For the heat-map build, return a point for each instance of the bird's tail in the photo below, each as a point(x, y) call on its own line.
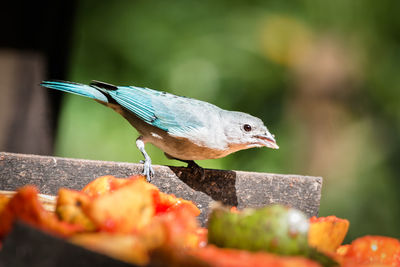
point(76, 88)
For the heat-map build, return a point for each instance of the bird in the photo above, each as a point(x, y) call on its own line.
point(184, 128)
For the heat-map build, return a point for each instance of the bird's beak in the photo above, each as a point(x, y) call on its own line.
point(267, 140)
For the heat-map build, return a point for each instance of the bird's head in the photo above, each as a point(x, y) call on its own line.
point(245, 131)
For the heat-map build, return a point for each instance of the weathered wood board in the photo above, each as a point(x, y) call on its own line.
point(234, 188)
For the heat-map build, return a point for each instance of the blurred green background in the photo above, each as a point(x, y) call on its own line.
point(322, 75)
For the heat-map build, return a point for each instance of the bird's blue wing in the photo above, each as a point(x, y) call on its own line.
point(179, 116)
point(156, 108)
point(76, 88)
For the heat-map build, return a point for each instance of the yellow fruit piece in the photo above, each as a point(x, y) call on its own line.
point(103, 185)
point(125, 210)
point(69, 208)
point(327, 233)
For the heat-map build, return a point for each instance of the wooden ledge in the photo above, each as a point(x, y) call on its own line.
point(234, 188)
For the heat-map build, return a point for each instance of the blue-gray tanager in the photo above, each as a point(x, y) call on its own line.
point(184, 128)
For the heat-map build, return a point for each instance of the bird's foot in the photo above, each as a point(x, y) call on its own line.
point(147, 169)
point(196, 170)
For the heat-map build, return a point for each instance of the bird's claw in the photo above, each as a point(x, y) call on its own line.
point(147, 170)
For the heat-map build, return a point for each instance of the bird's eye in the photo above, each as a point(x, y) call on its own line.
point(247, 127)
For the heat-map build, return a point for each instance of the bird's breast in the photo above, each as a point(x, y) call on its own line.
point(196, 145)
point(186, 149)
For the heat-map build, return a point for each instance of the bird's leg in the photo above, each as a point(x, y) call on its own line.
point(191, 165)
point(195, 168)
point(147, 169)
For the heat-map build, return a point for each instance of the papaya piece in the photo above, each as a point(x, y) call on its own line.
point(124, 210)
point(327, 233)
point(25, 206)
point(168, 202)
point(163, 202)
point(181, 226)
point(170, 235)
point(69, 208)
point(173, 230)
point(373, 250)
point(103, 185)
point(178, 228)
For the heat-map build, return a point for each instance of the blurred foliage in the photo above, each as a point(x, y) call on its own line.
point(322, 75)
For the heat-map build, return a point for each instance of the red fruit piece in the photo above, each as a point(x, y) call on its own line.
point(375, 249)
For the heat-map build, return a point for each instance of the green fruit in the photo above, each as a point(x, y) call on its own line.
point(276, 229)
point(273, 228)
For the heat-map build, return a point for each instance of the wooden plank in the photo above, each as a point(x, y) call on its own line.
point(234, 188)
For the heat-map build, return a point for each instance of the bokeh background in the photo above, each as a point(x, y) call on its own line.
point(323, 75)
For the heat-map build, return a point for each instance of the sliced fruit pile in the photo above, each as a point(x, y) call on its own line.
point(131, 220)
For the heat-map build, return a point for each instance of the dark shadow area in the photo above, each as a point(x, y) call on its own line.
point(220, 185)
point(28, 246)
